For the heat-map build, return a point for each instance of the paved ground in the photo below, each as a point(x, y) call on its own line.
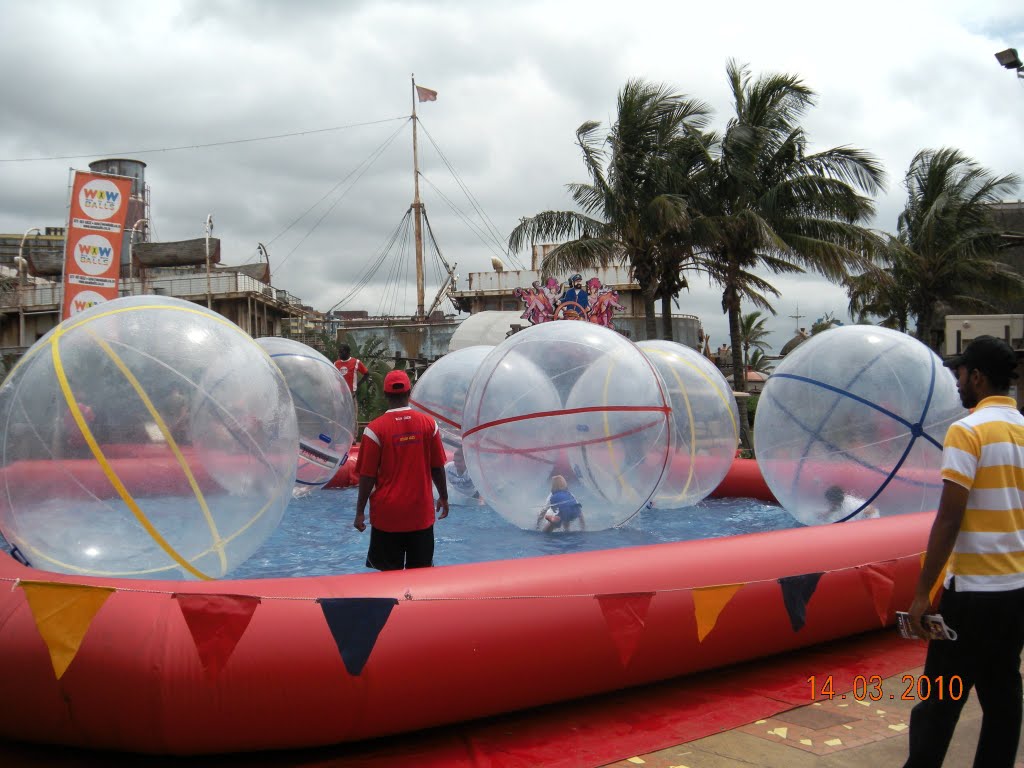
point(841, 733)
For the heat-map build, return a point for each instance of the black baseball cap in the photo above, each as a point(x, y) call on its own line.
point(991, 356)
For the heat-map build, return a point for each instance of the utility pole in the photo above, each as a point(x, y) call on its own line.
point(417, 210)
point(131, 243)
point(22, 271)
point(797, 317)
point(209, 288)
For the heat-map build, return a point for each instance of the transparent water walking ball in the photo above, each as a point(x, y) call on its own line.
point(441, 391)
point(146, 437)
point(704, 419)
point(851, 424)
point(324, 410)
point(567, 401)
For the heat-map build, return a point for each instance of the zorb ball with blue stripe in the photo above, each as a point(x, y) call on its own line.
point(705, 423)
point(567, 401)
point(854, 418)
point(324, 410)
point(147, 437)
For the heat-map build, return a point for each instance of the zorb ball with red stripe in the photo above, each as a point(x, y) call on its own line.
point(705, 423)
point(567, 401)
point(441, 391)
point(852, 421)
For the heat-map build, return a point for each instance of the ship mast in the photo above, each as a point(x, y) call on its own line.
point(417, 210)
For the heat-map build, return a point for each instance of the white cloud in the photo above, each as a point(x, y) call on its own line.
point(514, 82)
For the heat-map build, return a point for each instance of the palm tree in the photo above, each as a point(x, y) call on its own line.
point(630, 205)
point(370, 397)
point(775, 206)
point(753, 334)
point(947, 239)
point(882, 291)
point(759, 362)
point(828, 320)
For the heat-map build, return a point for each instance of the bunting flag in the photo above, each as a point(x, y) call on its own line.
point(217, 623)
point(880, 580)
point(796, 594)
point(63, 613)
point(708, 602)
point(625, 615)
point(425, 94)
point(355, 623)
point(938, 582)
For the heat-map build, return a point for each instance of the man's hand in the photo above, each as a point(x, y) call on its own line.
point(917, 609)
point(441, 507)
point(360, 522)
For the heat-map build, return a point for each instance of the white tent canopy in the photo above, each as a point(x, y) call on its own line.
point(489, 327)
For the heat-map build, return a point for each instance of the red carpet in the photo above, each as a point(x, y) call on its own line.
point(587, 732)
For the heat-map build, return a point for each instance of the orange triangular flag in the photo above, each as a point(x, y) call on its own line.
point(938, 582)
point(625, 615)
point(217, 623)
point(708, 602)
point(880, 579)
point(63, 613)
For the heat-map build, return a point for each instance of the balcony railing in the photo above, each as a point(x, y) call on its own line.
point(33, 296)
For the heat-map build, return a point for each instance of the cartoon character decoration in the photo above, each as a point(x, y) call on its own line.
point(569, 301)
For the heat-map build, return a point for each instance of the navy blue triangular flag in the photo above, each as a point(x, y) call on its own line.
point(355, 623)
point(796, 594)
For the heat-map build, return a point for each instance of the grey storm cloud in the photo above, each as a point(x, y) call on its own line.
point(514, 82)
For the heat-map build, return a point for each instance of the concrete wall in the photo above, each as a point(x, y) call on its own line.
point(962, 329)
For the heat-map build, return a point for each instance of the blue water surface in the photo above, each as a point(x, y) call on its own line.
point(316, 537)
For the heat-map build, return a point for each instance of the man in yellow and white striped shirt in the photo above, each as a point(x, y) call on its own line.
point(979, 528)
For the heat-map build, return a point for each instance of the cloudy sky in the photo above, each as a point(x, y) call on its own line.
point(120, 78)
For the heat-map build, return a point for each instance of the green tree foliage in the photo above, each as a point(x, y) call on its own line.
point(370, 396)
point(759, 362)
point(753, 334)
point(944, 253)
point(823, 323)
point(632, 204)
point(774, 206)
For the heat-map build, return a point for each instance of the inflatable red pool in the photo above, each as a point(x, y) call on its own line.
point(327, 660)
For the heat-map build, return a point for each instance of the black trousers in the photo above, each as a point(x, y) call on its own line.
point(395, 551)
point(986, 656)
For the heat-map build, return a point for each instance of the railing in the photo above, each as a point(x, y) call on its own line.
point(187, 287)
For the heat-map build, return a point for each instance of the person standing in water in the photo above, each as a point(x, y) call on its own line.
point(401, 453)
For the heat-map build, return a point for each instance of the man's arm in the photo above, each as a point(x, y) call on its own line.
point(441, 483)
point(952, 505)
point(366, 484)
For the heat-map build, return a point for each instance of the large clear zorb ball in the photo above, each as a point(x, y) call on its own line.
point(324, 410)
point(705, 423)
point(855, 418)
point(441, 391)
point(567, 401)
point(131, 438)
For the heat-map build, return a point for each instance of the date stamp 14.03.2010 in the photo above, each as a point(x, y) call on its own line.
point(873, 688)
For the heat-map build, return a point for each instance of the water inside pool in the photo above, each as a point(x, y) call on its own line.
point(316, 537)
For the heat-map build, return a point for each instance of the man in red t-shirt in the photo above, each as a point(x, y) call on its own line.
point(400, 454)
point(349, 367)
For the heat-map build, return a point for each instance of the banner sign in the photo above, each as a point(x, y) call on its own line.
point(92, 256)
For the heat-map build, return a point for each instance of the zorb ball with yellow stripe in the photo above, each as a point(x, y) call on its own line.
point(323, 406)
point(705, 423)
point(147, 437)
point(567, 401)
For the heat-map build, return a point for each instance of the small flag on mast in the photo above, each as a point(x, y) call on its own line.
point(425, 94)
